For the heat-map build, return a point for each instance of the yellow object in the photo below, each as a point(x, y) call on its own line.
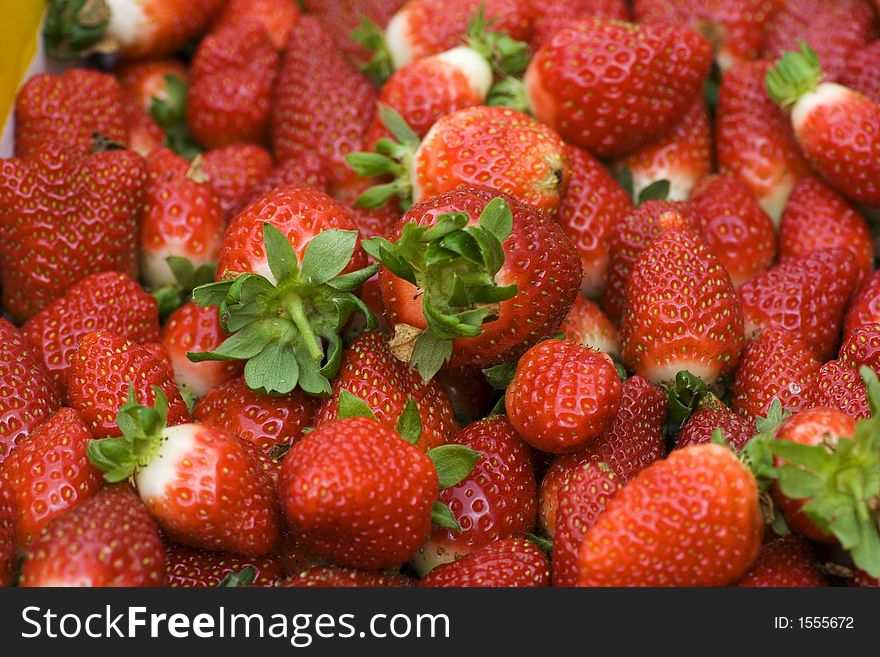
point(19, 36)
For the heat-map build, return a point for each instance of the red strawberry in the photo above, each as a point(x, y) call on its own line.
point(689, 520)
point(344, 18)
point(234, 172)
point(307, 170)
point(341, 489)
point(67, 110)
point(786, 561)
point(63, 216)
point(197, 568)
point(862, 347)
point(336, 577)
point(147, 80)
point(230, 90)
point(471, 397)
point(27, 392)
point(863, 579)
point(267, 421)
point(734, 227)
point(838, 385)
point(276, 17)
point(593, 205)
point(101, 371)
point(712, 414)
point(49, 473)
point(865, 307)
point(496, 500)
point(192, 328)
point(754, 139)
point(775, 363)
point(580, 501)
point(108, 540)
point(8, 552)
point(682, 312)
point(550, 17)
point(610, 110)
point(144, 134)
point(838, 129)
point(563, 396)
point(588, 326)
point(509, 562)
point(816, 217)
point(861, 72)
point(108, 301)
point(322, 105)
point(807, 296)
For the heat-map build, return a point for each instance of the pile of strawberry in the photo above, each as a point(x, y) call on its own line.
point(444, 293)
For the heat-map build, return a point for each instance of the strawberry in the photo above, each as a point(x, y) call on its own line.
point(861, 74)
point(712, 414)
point(230, 92)
point(8, 552)
point(103, 368)
point(807, 296)
point(682, 155)
point(754, 139)
point(682, 312)
point(863, 579)
point(305, 171)
point(513, 300)
point(133, 28)
point(197, 568)
point(734, 227)
point(774, 364)
point(147, 80)
point(67, 110)
point(838, 385)
point(865, 307)
point(509, 562)
point(340, 489)
point(563, 395)
point(786, 561)
point(370, 372)
point(201, 484)
point(192, 328)
point(108, 540)
point(64, 215)
point(593, 204)
point(689, 520)
point(322, 105)
point(580, 501)
point(495, 501)
point(234, 173)
point(27, 392)
point(276, 17)
point(611, 110)
point(49, 473)
point(815, 218)
point(353, 24)
point(145, 135)
point(838, 129)
point(108, 301)
point(588, 326)
point(336, 577)
point(550, 17)
point(862, 347)
point(181, 218)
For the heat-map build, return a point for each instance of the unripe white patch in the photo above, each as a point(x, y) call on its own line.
point(178, 443)
point(680, 185)
point(398, 39)
point(473, 65)
point(826, 94)
point(154, 265)
point(667, 371)
point(128, 22)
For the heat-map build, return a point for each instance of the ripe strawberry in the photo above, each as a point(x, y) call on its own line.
point(588, 326)
point(838, 385)
point(734, 227)
point(522, 292)
point(495, 501)
point(682, 312)
point(861, 73)
point(689, 520)
point(785, 561)
point(341, 490)
point(593, 205)
point(862, 347)
point(27, 393)
point(682, 155)
point(65, 215)
point(144, 134)
point(754, 139)
point(108, 301)
point(580, 501)
point(774, 364)
point(659, 74)
point(108, 540)
point(201, 484)
point(865, 307)
point(49, 473)
point(863, 579)
point(509, 562)
point(712, 414)
point(337, 577)
point(307, 170)
point(563, 395)
point(8, 552)
point(267, 421)
point(67, 110)
point(807, 296)
point(276, 17)
point(230, 91)
point(197, 568)
point(322, 105)
point(838, 129)
point(234, 172)
point(103, 368)
point(550, 17)
point(147, 80)
point(354, 23)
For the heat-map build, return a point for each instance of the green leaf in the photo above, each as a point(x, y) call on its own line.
point(211, 294)
point(497, 218)
point(244, 577)
point(684, 395)
point(500, 376)
point(656, 191)
point(242, 345)
point(453, 463)
point(377, 196)
point(795, 74)
point(350, 405)
point(280, 255)
point(869, 376)
point(353, 280)
point(798, 484)
point(442, 517)
point(183, 271)
point(409, 424)
point(397, 126)
point(371, 165)
point(624, 177)
point(544, 544)
point(429, 355)
point(814, 457)
point(371, 36)
point(327, 254)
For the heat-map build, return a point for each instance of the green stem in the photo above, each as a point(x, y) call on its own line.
point(296, 310)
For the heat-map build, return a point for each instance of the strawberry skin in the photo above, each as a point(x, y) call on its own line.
point(144, 134)
point(838, 385)
point(197, 568)
point(610, 110)
point(307, 170)
point(8, 552)
point(588, 326)
point(276, 17)
point(234, 173)
point(146, 79)
point(787, 561)
point(865, 307)
point(27, 392)
point(861, 73)
point(64, 215)
point(862, 347)
point(337, 577)
point(713, 414)
point(67, 110)
point(550, 17)
point(108, 540)
point(689, 520)
point(509, 562)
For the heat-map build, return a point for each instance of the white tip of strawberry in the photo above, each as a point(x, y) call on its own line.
point(774, 202)
point(161, 473)
point(398, 39)
point(680, 184)
point(666, 373)
point(826, 94)
point(128, 22)
point(473, 65)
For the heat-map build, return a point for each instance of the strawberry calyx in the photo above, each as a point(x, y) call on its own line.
point(187, 277)
point(795, 74)
point(379, 68)
point(288, 329)
point(684, 395)
point(454, 265)
point(506, 55)
point(74, 28)
point(170, 113)
point(235, 579)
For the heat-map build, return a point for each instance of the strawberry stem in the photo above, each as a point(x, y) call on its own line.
point(795, 74)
